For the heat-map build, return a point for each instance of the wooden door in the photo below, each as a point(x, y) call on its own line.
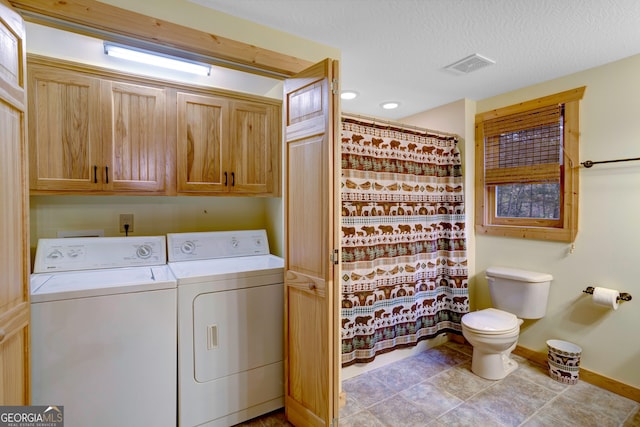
point(311, 223)
point(14, 258)
point(65, 131)
point(255, 137)
point(133, 139)
point(202, 155)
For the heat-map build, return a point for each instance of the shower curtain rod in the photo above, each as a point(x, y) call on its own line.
point(374, 121)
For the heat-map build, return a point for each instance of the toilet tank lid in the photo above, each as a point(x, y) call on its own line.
point(517, 274)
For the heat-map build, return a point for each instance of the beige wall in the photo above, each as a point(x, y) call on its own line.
point(153, 215)
point(606, 248)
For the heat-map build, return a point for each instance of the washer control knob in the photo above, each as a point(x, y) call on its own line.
point(144, 251)
point(73, 253)
point(188, 247)
point(234, 242)
point(55, 254)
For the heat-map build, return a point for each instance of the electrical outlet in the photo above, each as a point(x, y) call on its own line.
point(126, 219)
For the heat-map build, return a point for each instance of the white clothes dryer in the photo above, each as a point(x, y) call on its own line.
point(230, 326)
point(103, 331)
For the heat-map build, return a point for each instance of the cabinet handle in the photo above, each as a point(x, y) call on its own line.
point(233, 179)
point(95, 174)
point(225, 179)
point(106, 174)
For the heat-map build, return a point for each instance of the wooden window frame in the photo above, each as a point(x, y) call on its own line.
point(562, 230)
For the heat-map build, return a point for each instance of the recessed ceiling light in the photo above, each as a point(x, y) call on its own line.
point(348, 94)
point(390, 105)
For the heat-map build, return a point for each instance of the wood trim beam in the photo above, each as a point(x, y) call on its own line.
point(90, 17)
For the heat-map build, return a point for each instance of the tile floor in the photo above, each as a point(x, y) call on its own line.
point(436, 388)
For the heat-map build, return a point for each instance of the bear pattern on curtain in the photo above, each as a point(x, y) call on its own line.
point(404, 260)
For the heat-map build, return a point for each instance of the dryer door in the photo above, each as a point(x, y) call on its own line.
point(236, 331)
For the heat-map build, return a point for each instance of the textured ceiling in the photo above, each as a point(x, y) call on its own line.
point(397, 49)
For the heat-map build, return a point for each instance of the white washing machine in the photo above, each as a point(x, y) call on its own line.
point(103, 331)
point(230, 326)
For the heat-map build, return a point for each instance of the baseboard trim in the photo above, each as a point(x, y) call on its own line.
point(590, 377)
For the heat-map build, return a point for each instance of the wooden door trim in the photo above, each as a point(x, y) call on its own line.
point(92, 18)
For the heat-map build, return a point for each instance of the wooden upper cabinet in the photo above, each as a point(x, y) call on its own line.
point(227, 146)
point(64, 131)
point(202, 155)
point(95, 131)
point(254, 147)
point(133, 137)
point(91, 134)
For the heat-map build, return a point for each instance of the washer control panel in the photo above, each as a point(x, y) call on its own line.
point(89, 253)
point(217, 244)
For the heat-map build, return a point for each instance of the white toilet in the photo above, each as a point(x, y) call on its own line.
point(493, 332)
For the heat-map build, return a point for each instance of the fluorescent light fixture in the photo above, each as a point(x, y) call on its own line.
point(390, 105)
point(348, 94)
point(156, 59)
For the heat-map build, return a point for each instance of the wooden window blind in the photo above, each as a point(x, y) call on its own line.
point(524, 147)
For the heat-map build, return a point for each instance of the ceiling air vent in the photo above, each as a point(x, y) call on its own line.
point(470, 63)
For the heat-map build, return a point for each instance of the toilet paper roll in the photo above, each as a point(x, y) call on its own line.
point(605, 297)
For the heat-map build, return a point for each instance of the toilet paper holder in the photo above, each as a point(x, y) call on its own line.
point(623, 295)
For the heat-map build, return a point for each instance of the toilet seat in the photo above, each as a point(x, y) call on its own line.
point(490, 321)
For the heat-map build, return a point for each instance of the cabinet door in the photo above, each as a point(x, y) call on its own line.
point(14, 214)
point(134, 138)
point(202, 154)
point(255, 138)
point(64, 130)
point(312, 212)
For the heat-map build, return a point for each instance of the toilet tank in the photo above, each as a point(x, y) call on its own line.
point(520, 292)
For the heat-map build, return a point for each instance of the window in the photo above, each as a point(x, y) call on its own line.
point(527, 168)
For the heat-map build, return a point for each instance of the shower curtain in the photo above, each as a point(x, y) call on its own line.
point(404, 261)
